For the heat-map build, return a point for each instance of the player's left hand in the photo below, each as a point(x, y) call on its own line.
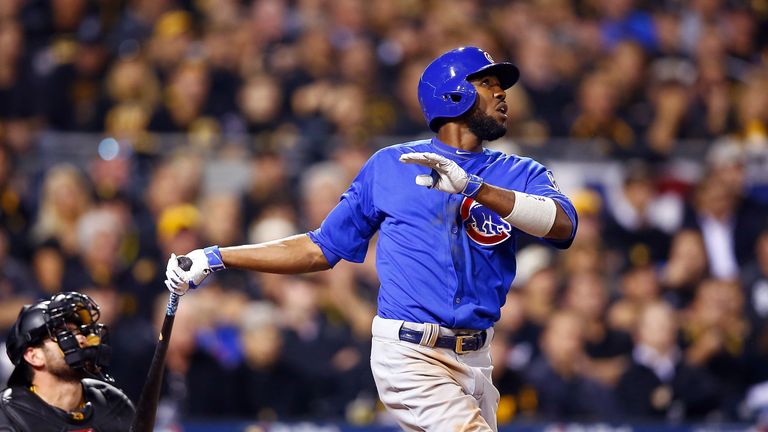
point(204, 262)
point(446, 175)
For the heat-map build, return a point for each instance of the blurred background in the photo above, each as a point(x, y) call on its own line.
point(133, 128)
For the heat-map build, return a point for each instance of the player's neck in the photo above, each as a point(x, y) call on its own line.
point(65, 395)
point(454, 135)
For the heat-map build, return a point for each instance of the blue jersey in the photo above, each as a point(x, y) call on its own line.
point(441, 258)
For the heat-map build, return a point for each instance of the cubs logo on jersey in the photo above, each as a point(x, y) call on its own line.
point(482, 224)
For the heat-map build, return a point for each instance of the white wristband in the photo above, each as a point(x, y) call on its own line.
point(533, 214)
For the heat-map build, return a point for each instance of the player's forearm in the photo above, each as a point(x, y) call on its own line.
point(291, 255)
point(502, 201)
point(563, 226)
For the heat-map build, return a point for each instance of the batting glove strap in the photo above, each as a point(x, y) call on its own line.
point(215, 262)
point(473, 185)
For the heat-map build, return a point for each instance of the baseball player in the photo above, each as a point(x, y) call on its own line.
point(59, 382)
point(446, 247)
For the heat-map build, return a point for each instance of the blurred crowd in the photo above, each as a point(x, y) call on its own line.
point(657, 312)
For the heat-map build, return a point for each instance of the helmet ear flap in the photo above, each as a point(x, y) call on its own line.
point(456, 98)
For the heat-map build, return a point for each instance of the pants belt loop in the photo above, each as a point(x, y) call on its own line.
point(430, 334)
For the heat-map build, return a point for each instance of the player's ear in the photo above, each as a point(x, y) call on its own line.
point(34, 356)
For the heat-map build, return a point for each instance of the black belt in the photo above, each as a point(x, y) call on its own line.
point(459, 344)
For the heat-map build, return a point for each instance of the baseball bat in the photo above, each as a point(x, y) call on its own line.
point(146, 410)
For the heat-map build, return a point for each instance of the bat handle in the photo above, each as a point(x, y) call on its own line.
point(173, 300)
point(173, 304)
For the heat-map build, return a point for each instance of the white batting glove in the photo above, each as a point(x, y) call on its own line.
point(204, 262)
point(446, 175)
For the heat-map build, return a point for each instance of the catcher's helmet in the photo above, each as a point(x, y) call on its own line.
point(444, 87)
point(60, 318)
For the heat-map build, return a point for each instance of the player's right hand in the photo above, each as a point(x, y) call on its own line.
point(446, 175)
point(204, 262)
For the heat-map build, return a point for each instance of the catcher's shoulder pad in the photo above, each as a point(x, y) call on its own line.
point(103, 393)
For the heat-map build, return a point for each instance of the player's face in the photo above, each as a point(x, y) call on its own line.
point(487, 119)
point(56, 365)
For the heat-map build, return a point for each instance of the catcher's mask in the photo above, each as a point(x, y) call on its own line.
point(61, 318)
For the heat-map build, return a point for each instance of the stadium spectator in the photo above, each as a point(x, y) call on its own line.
point(16, 287)
point(185, 98)
point(18, 88)
point(564, 392)
point(622, 20)
point(627, 66)
point(728, 161)
point(597, 117)
point(15, 216)
point(638, 287)
point(660, 382)
point(606, 349)
point(320, 188)
point(225, 210)
point(65, 196)
point(754, 278)
point(171, 41)
point(711, 110)
point(687, 266)
point(74, 96)
point(715, 212)
point(640, 218)
point(266, 386)
point(260, 100)
point(541, 80)
point(755, 283)
point(714, 334)
point(308, 333)
point(100, 234)
point(669, 92)
point(510, 359)
point(131, 79)
point(48, 267)
point(729, 224)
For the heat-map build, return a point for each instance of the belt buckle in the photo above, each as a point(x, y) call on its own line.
point(460, 343)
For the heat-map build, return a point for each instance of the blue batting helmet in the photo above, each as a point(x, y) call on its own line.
point(444, 87)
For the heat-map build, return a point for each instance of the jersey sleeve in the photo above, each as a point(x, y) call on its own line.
point(346, 231)
point(542, 182)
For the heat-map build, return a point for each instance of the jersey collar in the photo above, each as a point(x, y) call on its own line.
point(452, 152)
